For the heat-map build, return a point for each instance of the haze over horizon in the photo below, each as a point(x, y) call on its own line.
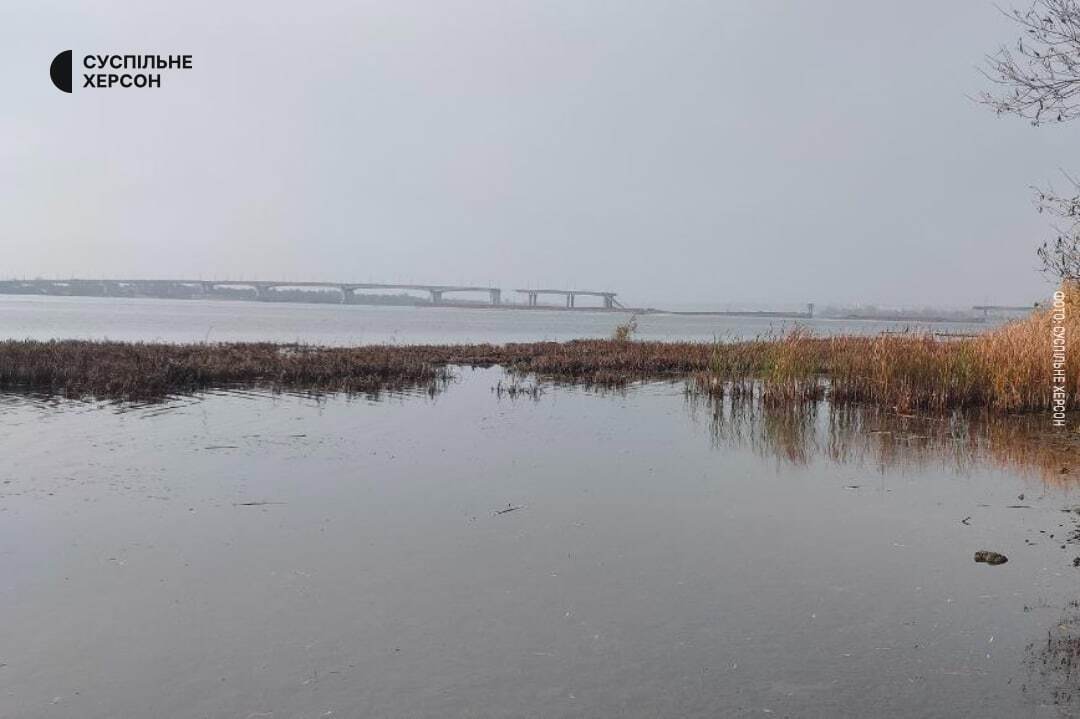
point(677, 153)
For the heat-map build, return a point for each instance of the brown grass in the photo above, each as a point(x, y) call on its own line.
point(1007, 370)
point(144, 371)
point(137, 371)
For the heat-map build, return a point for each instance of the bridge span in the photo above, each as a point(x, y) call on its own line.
point(987, 309)
point(609, 297)
point(264, 290)
point(261, 288)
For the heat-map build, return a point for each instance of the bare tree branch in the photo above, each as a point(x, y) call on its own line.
point(1061, 256)
point(1040, 76)
point(1039, 79)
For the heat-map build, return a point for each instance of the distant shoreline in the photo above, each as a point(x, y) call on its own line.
point(411, 301)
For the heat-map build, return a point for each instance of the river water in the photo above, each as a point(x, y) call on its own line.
point(198, 321)
point(258, 555)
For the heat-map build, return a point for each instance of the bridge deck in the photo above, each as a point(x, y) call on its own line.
point(593, 293)
point(264, 288)
point(286, 283)
point(1010, 308)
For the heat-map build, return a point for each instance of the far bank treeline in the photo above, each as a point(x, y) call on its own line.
point(1007, 370)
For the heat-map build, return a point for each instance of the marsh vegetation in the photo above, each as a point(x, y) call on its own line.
point(1008, 369)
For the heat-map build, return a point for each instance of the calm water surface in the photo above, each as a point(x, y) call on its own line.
point(245, 555)
point(197, 321)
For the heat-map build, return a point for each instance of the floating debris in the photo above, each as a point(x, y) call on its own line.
point(989, 557)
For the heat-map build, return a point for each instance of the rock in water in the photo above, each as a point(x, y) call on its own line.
point(989, 557)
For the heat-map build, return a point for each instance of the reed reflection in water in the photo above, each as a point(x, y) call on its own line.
point(800, 432)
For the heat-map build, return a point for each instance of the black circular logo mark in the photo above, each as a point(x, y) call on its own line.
point(60, 71)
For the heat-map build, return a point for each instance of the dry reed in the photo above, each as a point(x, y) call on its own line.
point(1008, 369)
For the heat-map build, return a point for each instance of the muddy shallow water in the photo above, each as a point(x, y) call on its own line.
point(245, 555)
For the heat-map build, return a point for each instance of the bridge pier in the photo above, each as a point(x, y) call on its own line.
point(496, 297)
point(346, 294)
point(570, 297)
point(810, 310)
point(436, 297)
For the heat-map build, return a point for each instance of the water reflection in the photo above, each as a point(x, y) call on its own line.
point(869, 436)
point(353, 553)
point(18, 400)
point(799, 435)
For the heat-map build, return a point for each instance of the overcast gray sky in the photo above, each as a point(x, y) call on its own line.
point(673, 151)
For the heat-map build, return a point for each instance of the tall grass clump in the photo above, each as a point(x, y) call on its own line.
point(909, 372)
point(624, 332)
point(794, 368)
point(1019, 357)
point(1009, 369)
